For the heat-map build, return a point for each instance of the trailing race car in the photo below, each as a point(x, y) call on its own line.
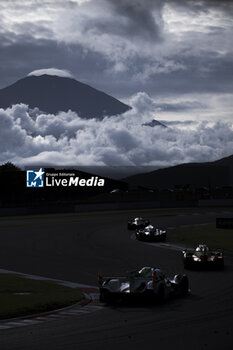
point(203, 257)
point(150, 233)
point(149, 283)
point(137, 223)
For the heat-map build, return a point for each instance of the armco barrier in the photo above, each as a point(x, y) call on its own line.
point(134, 205)
point(116, 206)
point(36, 210)
point(86, 207)
point(178, 204)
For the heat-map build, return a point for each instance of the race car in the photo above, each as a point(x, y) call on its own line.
point(137, 223)
point(148, 283)
point(150, 233)
point(203, 257)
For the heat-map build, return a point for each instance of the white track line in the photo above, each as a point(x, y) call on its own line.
point(90, 292)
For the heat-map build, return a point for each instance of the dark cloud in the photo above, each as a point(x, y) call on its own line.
point(178, 122)
point(140, 19)
point(122, 47)
point(22, 54)
point(203, 5)
point(180, 106)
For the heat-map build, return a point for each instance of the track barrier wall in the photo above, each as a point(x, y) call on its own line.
point(89, 207)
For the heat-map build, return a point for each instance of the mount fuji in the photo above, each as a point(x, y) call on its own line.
point(51, 94)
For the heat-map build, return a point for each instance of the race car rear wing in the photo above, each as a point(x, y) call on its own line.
point(102, 279)
point(215, 250)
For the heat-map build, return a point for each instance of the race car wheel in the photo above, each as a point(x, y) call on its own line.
point(221, 264)
point(184, 285)
point(187, 263)
point(161, 293)
point(178, 278)
point(163, 239)
point(101, 296)
point(106, 297)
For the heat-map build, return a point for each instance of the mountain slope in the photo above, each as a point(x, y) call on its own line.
point(52, 94)
point(217, 173)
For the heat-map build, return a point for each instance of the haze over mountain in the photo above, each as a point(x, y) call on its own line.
point(208, 174)
point(52, 94)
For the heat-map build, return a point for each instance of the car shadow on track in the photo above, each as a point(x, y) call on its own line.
point(138, 303)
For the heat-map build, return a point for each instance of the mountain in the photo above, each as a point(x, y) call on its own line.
point(52, 94)
point(210, 174)
point(154, 123)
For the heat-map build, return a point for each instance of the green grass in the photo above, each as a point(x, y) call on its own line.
point(206, 234)
point(39, 296)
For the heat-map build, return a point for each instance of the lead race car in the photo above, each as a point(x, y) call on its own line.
point(137, 223)
point(147, 283)
point(203, 257)
point(150, 233)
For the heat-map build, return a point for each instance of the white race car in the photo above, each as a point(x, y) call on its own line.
point(147, 282)
point(137, 223)
point(151, 233)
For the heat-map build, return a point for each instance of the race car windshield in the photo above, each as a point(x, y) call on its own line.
point(139, 222)
point(144, 272)
point(202, 249)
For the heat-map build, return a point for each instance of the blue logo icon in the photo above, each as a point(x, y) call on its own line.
point(35, 178)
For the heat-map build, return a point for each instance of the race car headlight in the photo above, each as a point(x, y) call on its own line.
point(147, 233)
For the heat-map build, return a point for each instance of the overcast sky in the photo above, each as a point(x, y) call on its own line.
point(177, 53)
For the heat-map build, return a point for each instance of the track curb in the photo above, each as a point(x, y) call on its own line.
point(83, 306)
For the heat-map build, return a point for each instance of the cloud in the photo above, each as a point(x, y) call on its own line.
point(32, 137)
point(180, 106)
point(52, 71)
point(140, 20)
point(167, 49)
point(172, 50)
point(122, 47)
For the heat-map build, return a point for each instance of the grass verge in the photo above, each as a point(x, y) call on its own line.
point(206, 234)
point(22, 296)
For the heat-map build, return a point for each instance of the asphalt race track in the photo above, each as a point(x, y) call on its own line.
point(75, 247)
